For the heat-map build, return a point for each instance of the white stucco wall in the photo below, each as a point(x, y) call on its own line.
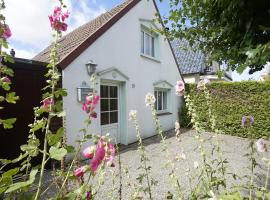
point(120, 47)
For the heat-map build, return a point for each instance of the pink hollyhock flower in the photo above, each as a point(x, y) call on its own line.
point(7, 32)
point(179, 88)
point(79, 172)
point(47, 103)
point(93, 114)
point(261, 146)
point(5, 79)
point(57, 19)
point(110, 155)
point(99, 156)
point(89, 152)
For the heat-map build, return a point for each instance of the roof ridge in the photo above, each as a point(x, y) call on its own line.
point(77, 37)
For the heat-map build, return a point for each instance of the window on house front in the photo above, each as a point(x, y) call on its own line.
point(109, 104)
point(148, 41)
point(161, 100)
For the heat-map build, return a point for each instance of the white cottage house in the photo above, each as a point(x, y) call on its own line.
point(131, 60)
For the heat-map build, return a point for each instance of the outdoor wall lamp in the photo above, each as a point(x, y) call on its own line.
point(91, 67)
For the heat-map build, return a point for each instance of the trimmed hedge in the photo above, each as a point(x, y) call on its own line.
point(231, 101)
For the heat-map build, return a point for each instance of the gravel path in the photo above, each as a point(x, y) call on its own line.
point(234, 149)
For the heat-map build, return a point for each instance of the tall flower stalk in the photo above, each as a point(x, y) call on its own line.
point(150, 101)
point(143, 157)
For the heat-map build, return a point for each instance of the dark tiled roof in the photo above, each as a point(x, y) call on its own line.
point(87, 33)
point(190, 60)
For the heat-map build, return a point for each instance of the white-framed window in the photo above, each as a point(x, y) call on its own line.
point(148, 43)
point(109, 104)
point(161, 96)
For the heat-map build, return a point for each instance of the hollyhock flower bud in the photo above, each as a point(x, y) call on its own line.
point(179, 88)
point(47, 103)
point(79, 172)
point(150, 99)
point(93, 114)
point(89, 152)
point(5, 80)
point(132, 115)
point(202, 84)
point(261, 146)
point(247, 121)
point(89, 195)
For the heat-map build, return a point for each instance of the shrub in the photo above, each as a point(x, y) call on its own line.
point(231, 101)
point(184, 118)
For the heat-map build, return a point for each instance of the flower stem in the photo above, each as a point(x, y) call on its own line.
point(266, 180)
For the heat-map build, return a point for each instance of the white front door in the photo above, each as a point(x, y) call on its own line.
point(109, 106)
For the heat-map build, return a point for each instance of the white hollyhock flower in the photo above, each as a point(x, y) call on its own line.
point(150, 99)
point(132, 115)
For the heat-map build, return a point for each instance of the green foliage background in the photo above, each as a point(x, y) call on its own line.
point(232, 100)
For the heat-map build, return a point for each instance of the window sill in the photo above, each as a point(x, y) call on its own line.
point(164, 113)
point(150, 58)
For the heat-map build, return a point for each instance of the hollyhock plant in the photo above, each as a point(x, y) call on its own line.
point(57, 19)
point(179, 88)
point(89, 152)
point(202, 84)
point(247, 121)
point(261, 146)
point(150, 99)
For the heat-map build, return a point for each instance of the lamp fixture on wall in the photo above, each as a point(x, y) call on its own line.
point(91, 67)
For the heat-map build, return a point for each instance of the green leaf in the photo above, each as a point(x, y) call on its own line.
point(21, 185)
point(11, 97)
point(56, 138)
point(57, 153)
point(8, 123)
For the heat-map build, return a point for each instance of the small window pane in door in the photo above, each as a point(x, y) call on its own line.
point(113, 92)
point(104, 93)
point(104, 105)
point(113, 117)
point(104, 118)
point(113, 104)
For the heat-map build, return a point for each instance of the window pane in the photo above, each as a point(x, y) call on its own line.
point(147, 44)
point(159, 101)
point(165, 100)
point(113, 117)
point(113, 92)
point(142, 42)
point(153, 47)
point(113, 104)
point(104, 118)
point(156, 100)
point(104, 92)
point(104, 105)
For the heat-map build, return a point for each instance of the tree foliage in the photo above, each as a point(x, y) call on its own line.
point(236, 32)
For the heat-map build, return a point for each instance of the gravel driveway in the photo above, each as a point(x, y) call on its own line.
point(234, 149)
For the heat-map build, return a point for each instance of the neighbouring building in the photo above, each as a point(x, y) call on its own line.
point(193, 66)
point(131, 59)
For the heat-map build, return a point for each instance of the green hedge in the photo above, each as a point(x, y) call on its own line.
point(231, 101)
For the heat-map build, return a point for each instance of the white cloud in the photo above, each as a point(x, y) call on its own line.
point(28, 20)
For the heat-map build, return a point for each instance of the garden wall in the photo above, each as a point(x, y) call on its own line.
point(232, 100)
